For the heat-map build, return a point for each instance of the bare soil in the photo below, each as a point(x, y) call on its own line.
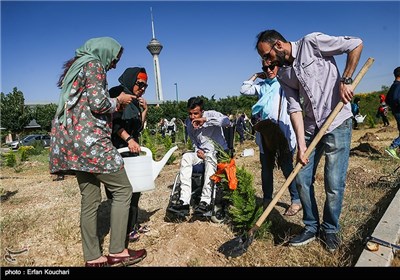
point(43, 216)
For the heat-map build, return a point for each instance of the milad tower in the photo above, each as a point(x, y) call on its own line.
point(155, 48)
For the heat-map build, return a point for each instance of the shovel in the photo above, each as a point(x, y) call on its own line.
point(239, 245)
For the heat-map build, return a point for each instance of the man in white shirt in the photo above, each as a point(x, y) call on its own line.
point(204, 129)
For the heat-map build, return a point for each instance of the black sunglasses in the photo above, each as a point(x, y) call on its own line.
point(267, 55)
point(141, 85)
point(270, 67)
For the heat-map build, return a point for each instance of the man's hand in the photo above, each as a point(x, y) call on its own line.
point(198, 122)
point(346, 93)
point(201, 154)
point(300, 156)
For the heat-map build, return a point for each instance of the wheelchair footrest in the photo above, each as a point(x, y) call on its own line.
point(203, 214)
point(180, 213)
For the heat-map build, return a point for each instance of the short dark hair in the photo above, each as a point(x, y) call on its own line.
point(269, 36)
point(396, 72)
point(195, 101)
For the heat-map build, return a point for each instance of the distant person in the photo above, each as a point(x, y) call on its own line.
point(127, 125)
point(241, 127)
point(162, 124)
point(232, 119)
point(204, 129)
point(393, 100)
point(383, 110)
point(355, 109)
point(171, 129)
point(313, 85)
point(81, 144)
point(271, 105)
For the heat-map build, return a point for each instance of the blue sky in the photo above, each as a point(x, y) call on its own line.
point(208, 46)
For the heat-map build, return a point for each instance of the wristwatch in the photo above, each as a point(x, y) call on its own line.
point(346, 80)
point(128, 139)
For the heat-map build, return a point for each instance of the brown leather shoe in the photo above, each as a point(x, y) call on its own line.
point(96, 264)
point(134, 257)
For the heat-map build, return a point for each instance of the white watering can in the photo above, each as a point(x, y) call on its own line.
point(360, 118)
point(143, 170)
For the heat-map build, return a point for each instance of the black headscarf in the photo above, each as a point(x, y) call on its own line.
point(129, 77)
point(127, 81)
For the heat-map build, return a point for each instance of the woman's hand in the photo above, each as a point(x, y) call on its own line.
point(261, 75)
point(142, 103)
point(124, 99)
point(133, 146)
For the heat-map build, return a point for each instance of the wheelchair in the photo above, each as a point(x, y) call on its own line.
point(218, 204)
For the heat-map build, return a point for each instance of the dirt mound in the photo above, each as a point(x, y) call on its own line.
point(358, 177)
point(387, 129)
point(368, 137)
point(365, 150)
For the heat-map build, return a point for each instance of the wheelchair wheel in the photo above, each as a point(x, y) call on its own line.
point(219, 214)
point(175, 192)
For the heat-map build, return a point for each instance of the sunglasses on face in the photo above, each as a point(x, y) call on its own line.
point(270, 67)
point(141, 85)
point(266, 56)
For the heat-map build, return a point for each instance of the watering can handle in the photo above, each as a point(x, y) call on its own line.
point(142, 149)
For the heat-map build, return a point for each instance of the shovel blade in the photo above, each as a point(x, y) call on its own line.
point(237, 246)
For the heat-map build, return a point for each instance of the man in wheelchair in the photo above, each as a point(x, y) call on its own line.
point(205, 129)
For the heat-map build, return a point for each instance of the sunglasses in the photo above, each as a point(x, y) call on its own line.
point(141, 85)
point(270, 67)
point(267, 55)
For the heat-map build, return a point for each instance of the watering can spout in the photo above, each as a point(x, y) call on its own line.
point(158, 165)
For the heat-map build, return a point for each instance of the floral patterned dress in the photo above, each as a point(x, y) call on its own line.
point(84, 143)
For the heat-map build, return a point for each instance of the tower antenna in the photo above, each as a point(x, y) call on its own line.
point(152, 22)
point(155, 48)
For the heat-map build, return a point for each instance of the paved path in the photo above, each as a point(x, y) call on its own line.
point(388, 229)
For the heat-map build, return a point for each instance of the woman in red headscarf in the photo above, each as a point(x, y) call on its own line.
point(383, 110)
point(127, 126)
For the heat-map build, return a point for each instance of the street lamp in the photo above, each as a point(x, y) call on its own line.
point(176, 91)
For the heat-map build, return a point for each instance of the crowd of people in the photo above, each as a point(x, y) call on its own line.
point(295, 98)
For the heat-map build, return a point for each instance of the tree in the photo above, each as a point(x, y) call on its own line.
point(14, 114)
point(385, 88)
point(154, 114)
point(44, 114)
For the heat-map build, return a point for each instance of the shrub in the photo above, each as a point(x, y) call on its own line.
point(38, 148)
point(370, 121)
point(168, 145)
point(25, 152)
point(10, 159)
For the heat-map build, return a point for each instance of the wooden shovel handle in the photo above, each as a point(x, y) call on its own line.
point(311, 147)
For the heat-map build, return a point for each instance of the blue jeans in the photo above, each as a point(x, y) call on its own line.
point(267, 179)
point(336, 147)
point(396, 142)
